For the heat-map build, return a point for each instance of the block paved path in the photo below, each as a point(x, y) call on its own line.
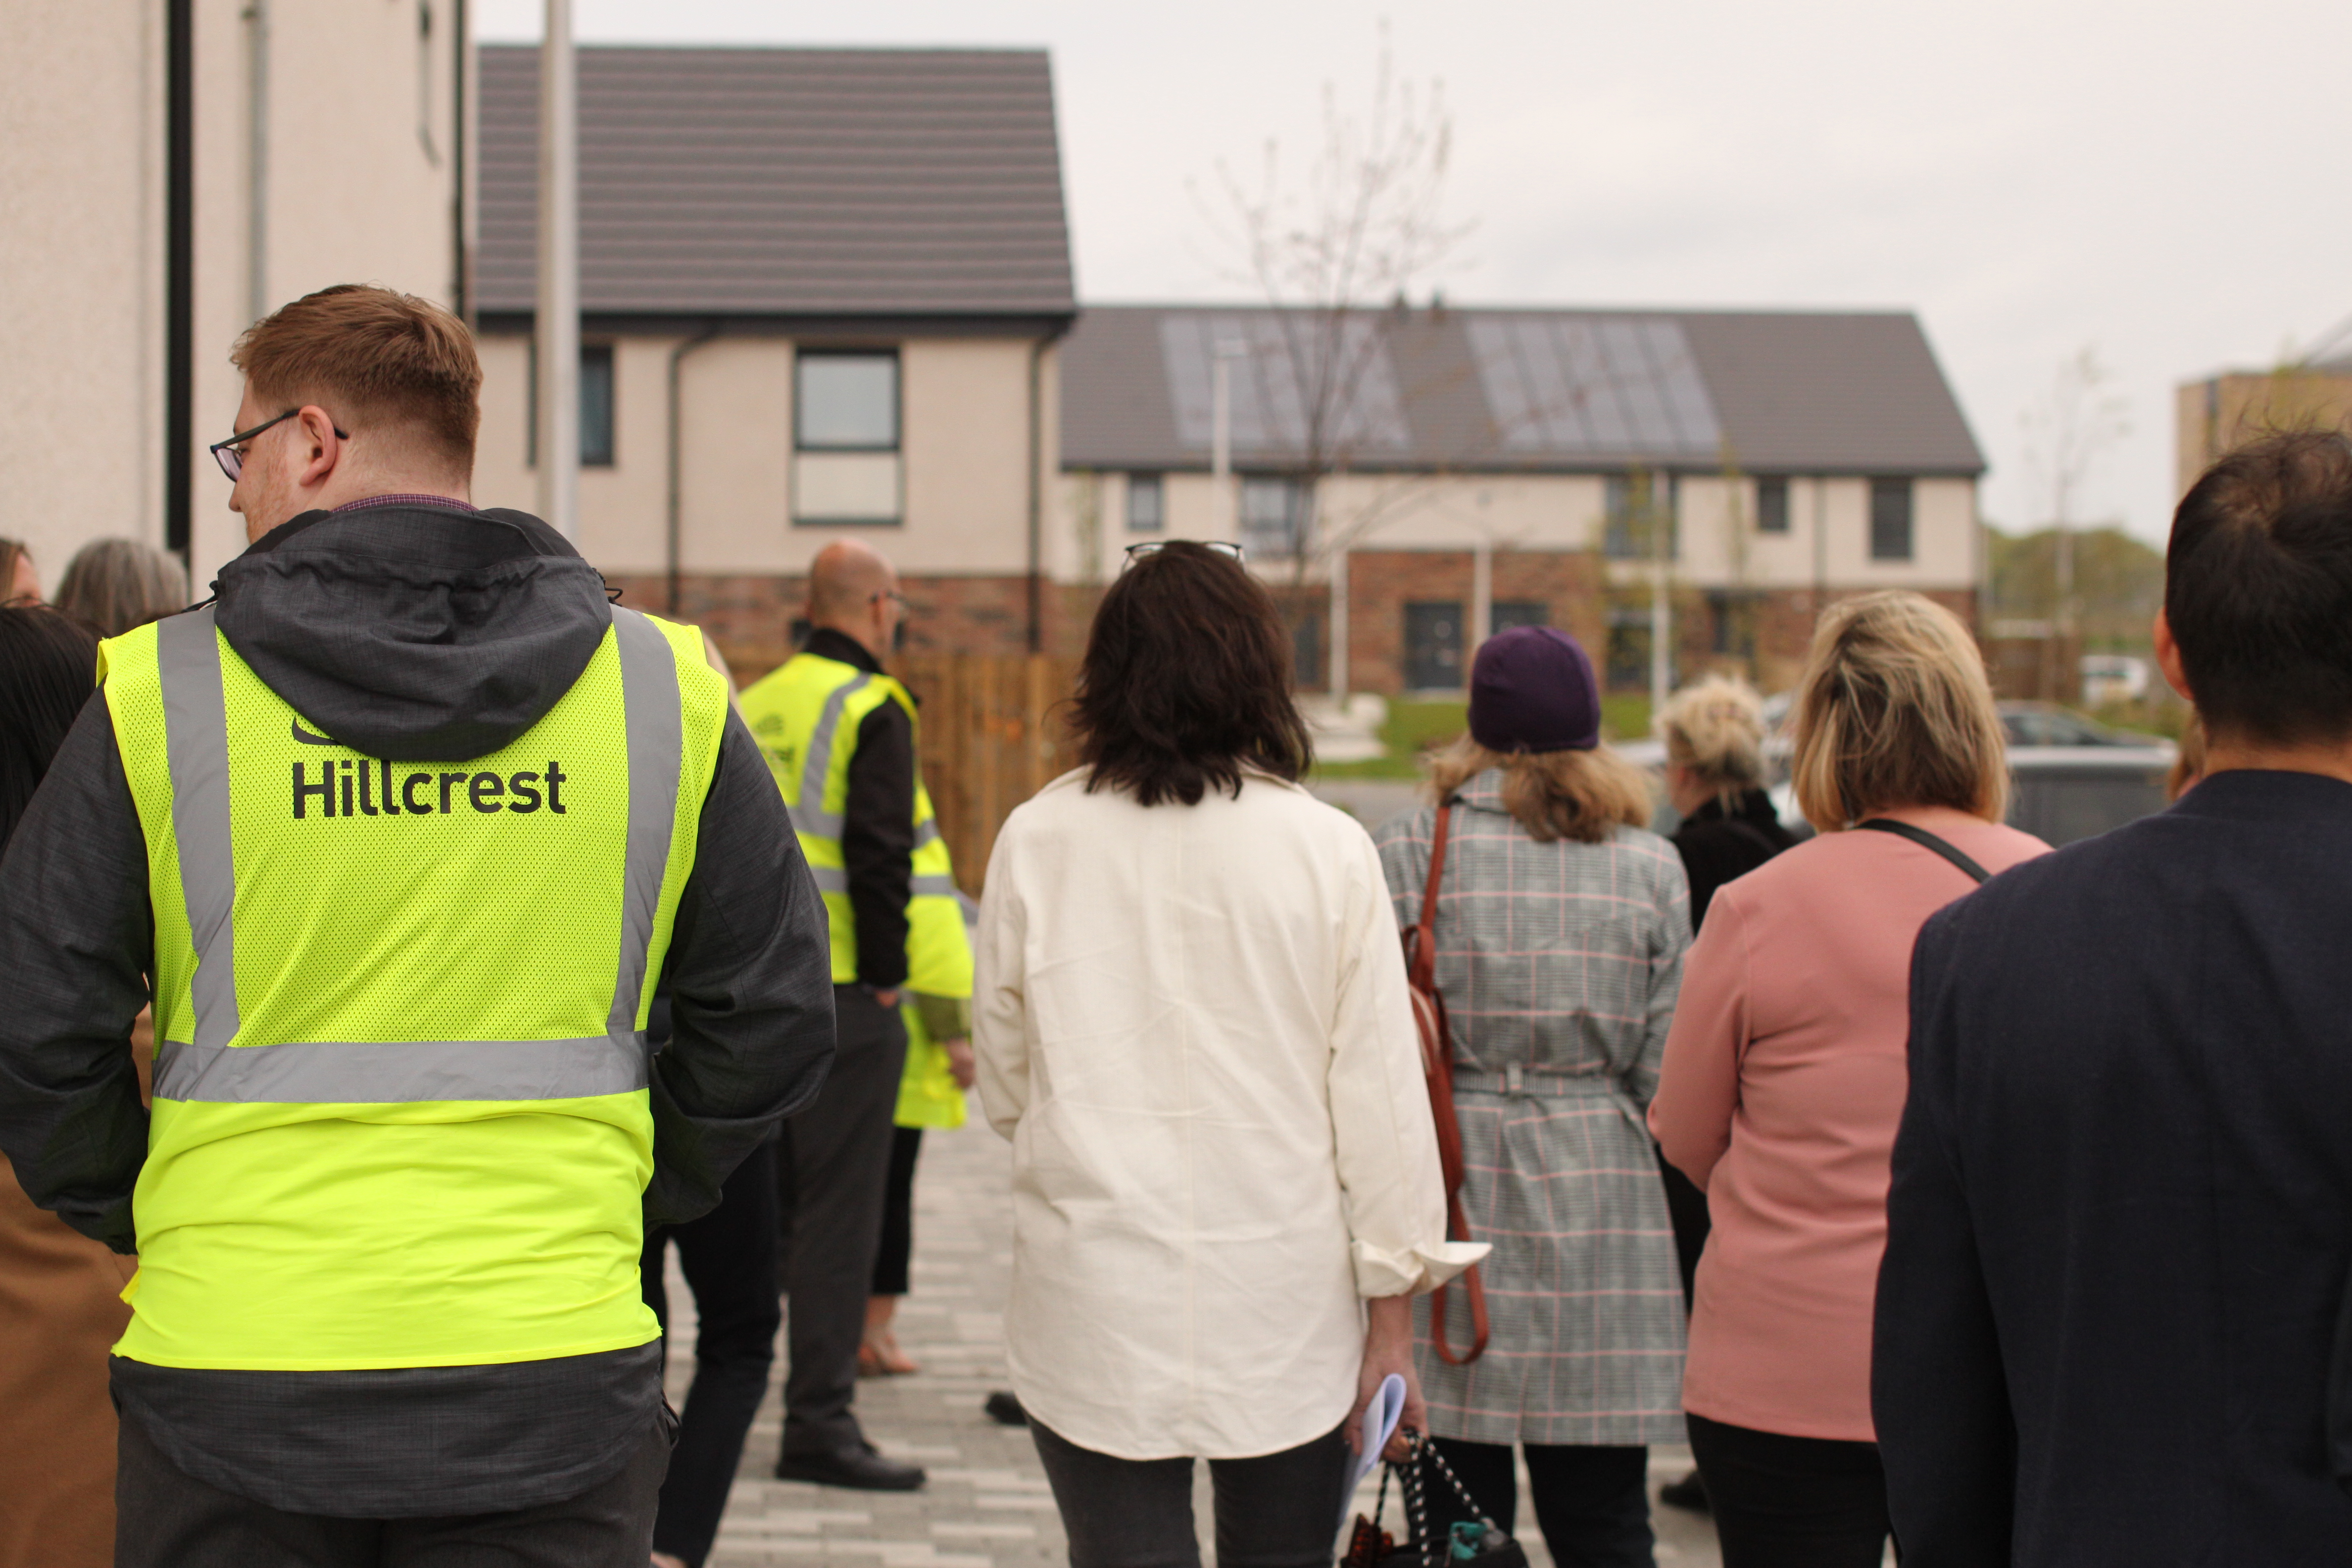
point(987, 1505)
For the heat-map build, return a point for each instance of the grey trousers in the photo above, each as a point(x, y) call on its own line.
point(1278, 1511)
point(165, 1517)
point(833, 1168)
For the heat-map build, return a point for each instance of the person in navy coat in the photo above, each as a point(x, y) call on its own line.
point(2120, 1228)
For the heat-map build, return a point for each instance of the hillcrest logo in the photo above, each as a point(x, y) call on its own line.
point(368, 788)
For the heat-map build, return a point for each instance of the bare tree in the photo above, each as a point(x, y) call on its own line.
point(1331, 255)
point(2066, 434)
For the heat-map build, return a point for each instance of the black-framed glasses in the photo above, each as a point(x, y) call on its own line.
point(1224, 547)
point(232, 462)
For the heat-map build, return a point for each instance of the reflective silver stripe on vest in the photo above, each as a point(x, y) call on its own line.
point(809, 815)
point(316, 1072)
point(195, 746)
point(649, 697)
point(373, 1073)
point(927, 832)
point(835, 879)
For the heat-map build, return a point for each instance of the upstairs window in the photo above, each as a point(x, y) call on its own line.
point(846, 403)
point(596, 406)
point(1890, 519)
point(1274, 515)
point(1634, 507)
point(595, 409)
point(1147, 504)
point(1771, 506)
point(846, 432)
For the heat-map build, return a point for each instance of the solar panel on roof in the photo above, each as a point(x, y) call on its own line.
point(1285, 369)
point(1619, 385)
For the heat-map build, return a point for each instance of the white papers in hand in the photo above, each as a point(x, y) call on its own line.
point(1382, 1415)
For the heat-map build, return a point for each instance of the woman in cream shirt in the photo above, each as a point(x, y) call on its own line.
point(1192, 1021)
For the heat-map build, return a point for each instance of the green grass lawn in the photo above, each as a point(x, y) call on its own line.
point(1420, 725)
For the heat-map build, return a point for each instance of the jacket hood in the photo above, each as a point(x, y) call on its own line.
point(415, 633)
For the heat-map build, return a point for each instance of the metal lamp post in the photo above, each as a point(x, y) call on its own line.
point(558, 336)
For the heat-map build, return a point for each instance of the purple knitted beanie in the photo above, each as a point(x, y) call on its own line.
point(1531, 689)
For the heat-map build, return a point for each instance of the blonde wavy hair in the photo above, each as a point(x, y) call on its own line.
point(1894, 710)
point(1715, 728)
point(1577, 795)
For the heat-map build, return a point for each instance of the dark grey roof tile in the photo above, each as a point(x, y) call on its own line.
point(1497, 390)
point(787, 181)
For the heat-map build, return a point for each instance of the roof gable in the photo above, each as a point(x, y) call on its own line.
point(787, 181)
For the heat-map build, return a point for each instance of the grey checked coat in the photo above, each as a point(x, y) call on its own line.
point(1559, 963)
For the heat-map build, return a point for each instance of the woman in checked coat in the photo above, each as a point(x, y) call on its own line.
point(1560, 935)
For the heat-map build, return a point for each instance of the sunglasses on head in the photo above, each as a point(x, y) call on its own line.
point(1224, 547)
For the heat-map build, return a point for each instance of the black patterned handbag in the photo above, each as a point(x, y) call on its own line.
point(1475, 1542)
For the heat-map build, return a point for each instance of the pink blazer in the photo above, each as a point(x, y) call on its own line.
point(1783, 1083)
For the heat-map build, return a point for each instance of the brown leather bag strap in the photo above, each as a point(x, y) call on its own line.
point(1424, 933)
point(1437, 1063)
point(1457, 1228)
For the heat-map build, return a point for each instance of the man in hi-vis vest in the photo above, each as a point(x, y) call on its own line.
point(839, 736)
point(407, 825)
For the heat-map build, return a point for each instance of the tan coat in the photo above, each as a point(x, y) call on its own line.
point(59, 1311)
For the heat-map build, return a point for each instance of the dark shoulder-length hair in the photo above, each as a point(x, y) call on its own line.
point(49, 667)
point(1187, 681)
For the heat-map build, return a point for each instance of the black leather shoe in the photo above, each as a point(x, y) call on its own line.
point(859, 1470)
point(1690, 1493)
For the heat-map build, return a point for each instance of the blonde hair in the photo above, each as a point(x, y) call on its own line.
point(1894, 710)
point(1578, 796)
point(115, 584)
point(1715, 728)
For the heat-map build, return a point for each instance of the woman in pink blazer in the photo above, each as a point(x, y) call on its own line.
point(1784, 1074)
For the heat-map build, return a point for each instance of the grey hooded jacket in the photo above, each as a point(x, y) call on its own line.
point(408, 632)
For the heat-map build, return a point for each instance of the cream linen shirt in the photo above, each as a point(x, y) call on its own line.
point(1193, 1024)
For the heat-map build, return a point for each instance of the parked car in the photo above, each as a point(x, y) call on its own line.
point(2071, 776)
point(2047, 724)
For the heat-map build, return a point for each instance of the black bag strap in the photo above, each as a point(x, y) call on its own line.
point(1928, 841)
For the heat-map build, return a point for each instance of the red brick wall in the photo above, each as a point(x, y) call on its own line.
point(1381, 582)
point(1571, 586)
point(750, 616)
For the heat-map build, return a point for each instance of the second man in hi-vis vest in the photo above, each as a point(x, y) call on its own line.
point(406, 827)
point(839, 734)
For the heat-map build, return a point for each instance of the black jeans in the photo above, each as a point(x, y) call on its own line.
point(833, 1168)
point(728, 1256)
point(165, 1517)
point(1792, 1502)
point(898, 1253)
point(1279, 1510)
point(1593, 1503)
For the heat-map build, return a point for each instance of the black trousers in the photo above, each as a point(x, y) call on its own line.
point(1687, 1211)
point(729, 1258)
point(1592, 1503)
point(1279, 1510)
point(897, 1256)
point(165, 1517)
point(1792, 1502)
point(833, 1168)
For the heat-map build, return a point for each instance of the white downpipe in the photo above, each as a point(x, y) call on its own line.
point(256, 160)
point(1661, 538)
point(557, 317)
point(1340, 626)
point(1482, 599)
point(1221, 437)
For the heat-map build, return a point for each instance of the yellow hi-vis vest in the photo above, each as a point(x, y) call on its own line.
point(805, 716)
point(401, 1114)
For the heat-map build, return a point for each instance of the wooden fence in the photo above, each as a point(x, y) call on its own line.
point(994, 732)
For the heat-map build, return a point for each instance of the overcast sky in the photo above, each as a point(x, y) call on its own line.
point(2161, 180)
